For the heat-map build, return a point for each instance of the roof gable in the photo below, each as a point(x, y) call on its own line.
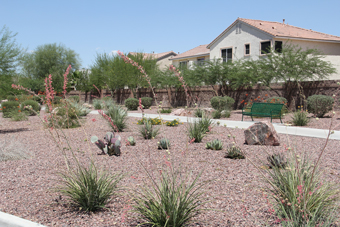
point(281, 30)
point(158, 56)
point(197, 51)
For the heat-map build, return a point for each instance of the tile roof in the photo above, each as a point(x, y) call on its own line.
point(281, 30)
point(158, 56)
point(197, 51)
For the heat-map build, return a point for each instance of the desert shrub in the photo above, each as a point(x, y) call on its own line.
point(153, 121)
point(300, 118)
point(148, 131)
point(118, 116)
point(302, 197)
point(234, 152)
point(146, 102)
point(65, 117)
point(81, 110)
point(198, 112)
point(19, 116)
point(225, 113)
point(278, 100)
point(222, 103)
point(97, 104)
point(40, 99)
point(12, 149)
point(172, 123)
point(12, 98)
point(173, 200)
point(35, 107)
point(319, 105)
point(108, 102)
point(216, 114)
point(166, 110)
point(206, 123)
point(88, 188)
point(131, 104)
point(196, 131)
point(74, 98)
point(9, 107)
point(57, 99)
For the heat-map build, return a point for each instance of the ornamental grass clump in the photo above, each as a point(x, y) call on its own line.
point(87, 188)
point(300, 118)
point(118, 116)
point(198, 112)
point(97, 104)
point(196, 132)
point(173, 200)
point(301, 197)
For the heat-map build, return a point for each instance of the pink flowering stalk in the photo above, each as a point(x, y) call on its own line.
point(49, 92)
point(141, 106)
point(109, 120)
point(65, 79)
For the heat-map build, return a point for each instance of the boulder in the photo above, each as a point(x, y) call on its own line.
point(261, 133)
point(178, 112)
point(208, 110)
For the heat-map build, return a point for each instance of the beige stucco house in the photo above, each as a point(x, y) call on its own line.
point(197, 55)
point(246, 38)
point(163, 59)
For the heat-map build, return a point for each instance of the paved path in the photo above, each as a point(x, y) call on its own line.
point(280, 128)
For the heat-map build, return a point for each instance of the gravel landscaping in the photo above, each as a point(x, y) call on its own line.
point(236, 187)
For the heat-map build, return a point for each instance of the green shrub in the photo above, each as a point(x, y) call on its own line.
point(214, 145)
point(87, 188)
point(57, 99)
point(12, 98)
point(65, 117)
point(319, 105)
point(40, 99)
point(81, 110)
point(75, 98)
point(198, 129)
point(234, 152)
point(216, 114)
point(222, 103)
point(118, 116)
point(35, 107)
point(166, 110)
point(19, 116)
point(97, 104)
point(225, 113)
point(10, 107)
point(131, 104)
point(300, 118)
point(205, 123)
point(278, 100)
point(107, 102)
point(153, 121)
point(146, 102)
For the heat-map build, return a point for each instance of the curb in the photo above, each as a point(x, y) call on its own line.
point(8, 220)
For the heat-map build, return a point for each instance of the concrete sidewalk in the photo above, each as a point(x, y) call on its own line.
point(8, 220)
point(280, 128)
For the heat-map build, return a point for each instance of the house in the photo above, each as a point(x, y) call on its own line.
point(163, 59)
point(249, 39)
point(197, 55)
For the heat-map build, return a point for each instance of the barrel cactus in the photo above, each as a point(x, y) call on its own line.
point(164, 144)
point(131, 141)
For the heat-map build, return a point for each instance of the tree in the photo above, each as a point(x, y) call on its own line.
point(10, 54)
point(292, 66)
point(48, 59)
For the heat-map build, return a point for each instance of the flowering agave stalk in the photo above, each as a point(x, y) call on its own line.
point(111, 144)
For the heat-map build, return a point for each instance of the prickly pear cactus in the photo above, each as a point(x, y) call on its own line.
point(111, 144)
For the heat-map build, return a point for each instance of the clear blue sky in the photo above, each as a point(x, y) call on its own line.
point(90, 27)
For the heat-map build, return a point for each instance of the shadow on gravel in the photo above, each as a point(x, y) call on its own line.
point(14, 130)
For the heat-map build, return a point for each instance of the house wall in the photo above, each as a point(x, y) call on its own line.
point(248, 35)
point(164, 63)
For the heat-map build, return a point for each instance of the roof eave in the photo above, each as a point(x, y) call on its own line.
point(191, 56)
point(307, 39)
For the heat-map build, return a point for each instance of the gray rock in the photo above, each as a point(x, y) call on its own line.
point(261, 133)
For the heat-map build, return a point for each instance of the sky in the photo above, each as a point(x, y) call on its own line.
point(105, 26)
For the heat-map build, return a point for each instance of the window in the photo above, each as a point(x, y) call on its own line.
point(265, 47)
point(227, 54)
point(246, 49)
point(200, 61)
point(183, 64)
point(278, 46)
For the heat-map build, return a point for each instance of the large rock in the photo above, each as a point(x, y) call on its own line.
point(261, 133)
point(178, 112)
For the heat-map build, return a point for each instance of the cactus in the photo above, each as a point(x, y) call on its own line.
point(111, 146)
point(214, 145)
point(164, 144)
point(277, 160)
point(131, 140)
point(234, 152)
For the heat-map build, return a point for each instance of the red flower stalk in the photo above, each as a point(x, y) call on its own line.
point(65, 79)
point(109, 120)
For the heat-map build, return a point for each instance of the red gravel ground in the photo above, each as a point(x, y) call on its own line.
point(236, 190)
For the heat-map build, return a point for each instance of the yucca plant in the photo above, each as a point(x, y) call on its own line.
point(195, 131)
point(173, 200)
point(198, 112)
point(164, 143)
point(88, 188)
point(118, 116)
point(300, 118)
point(214, 145)
point(148, 131)
point(206, 123)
